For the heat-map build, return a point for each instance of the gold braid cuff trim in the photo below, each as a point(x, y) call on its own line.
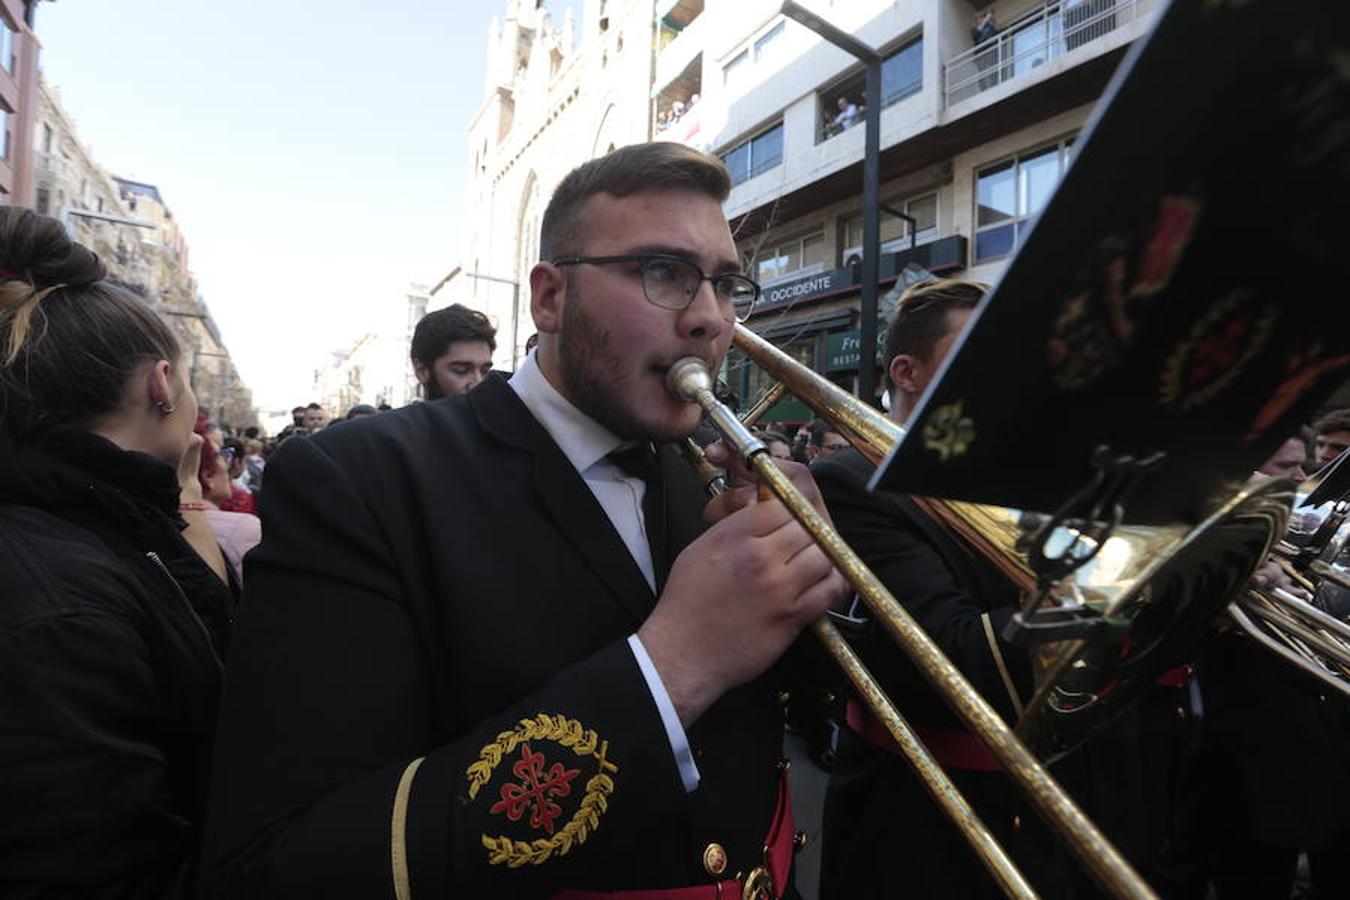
point(398, 832)
point(503, 850)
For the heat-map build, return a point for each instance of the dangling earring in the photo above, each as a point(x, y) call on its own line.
point(165, 409)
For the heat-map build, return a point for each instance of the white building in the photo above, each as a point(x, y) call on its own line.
point(548, 105)
point(973, 141)
point(973, 138)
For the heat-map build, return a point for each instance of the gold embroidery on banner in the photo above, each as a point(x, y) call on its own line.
point(569, 733)
point(1217, 350)
point(949, 433)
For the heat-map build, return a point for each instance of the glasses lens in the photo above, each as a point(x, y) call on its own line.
point(669, 282)
point(740, 292)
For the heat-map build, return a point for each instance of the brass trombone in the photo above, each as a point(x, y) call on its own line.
point(690, 380)
point(1159, 589)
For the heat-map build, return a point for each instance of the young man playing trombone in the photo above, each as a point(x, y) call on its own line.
point(490, 646)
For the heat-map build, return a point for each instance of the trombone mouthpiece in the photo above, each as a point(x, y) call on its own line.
point(688, 378)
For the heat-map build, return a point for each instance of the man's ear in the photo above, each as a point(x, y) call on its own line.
point(905, 372)
point(548, 295)
point(421, 371)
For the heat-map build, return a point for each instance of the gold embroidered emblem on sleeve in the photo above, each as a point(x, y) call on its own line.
point(539, 786)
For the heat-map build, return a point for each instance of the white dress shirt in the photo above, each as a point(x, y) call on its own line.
point(587, 445)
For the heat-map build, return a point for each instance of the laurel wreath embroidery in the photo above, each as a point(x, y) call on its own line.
point(584, 742)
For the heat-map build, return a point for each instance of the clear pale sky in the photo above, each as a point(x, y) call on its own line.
point(314, 152)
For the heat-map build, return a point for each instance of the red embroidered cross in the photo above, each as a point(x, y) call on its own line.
point(536, 791)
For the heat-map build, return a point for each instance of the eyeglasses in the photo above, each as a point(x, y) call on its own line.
point(834, 447)
point(671, 282)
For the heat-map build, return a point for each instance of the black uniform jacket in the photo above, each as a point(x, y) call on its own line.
point(111, 628)
point(879, 823)
point(439, 584)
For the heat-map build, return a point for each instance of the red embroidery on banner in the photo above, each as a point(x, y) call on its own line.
point(536, 791)
point(1166, 245)
point(1305, 368)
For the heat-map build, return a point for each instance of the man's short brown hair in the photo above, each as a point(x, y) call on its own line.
point(657, 166)
point(920, 317)
point(440, 328)
point(1336, 420)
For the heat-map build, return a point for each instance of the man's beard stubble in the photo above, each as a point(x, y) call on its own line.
point(592, 374)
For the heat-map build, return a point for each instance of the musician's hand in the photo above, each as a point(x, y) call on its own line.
point(743, 488)
point(735, 600)
point(1270, 576)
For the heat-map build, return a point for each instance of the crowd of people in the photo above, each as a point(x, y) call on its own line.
point(669, 117)
point(500, 644)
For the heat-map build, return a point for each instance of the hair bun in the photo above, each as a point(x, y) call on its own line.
point(36, 247)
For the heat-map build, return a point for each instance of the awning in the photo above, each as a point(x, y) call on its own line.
point(801, 326)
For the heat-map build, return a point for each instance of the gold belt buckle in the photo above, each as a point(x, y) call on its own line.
point(758, 885)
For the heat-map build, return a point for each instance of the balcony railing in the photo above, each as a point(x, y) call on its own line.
point(1053, 30)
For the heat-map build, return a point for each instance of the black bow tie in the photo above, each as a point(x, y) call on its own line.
point(640, 461)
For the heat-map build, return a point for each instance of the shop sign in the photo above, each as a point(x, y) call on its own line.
point(807, 287)
point(842, 349)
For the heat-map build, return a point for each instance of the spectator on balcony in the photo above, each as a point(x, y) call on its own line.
point(849, 115)
point(982, 31)
point(983, 28)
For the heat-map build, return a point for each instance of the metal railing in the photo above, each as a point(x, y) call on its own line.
point(1053, 30)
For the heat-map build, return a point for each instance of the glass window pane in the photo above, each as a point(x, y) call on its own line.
point(902, 73)
point(766, 151)
point(769, 41)
point(1029, 47)
point(994, 242)
point(996, 195)
point(738, 163)
point(813, 251)
point(853, 229)
point(892, 227)
point(732, 70)
point(1038, 176)
point(924, 211)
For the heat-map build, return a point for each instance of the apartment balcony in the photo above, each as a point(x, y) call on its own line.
point(680, 40)
point(1060, 34)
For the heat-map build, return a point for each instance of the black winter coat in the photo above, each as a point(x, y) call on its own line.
point(111, 635)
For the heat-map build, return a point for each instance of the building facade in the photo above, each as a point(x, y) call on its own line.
point(976, 131)
point(554, 96)
point(134, 232)
point(18, 100)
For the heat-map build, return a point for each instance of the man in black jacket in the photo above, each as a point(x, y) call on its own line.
point(487, 649)
point(876, 809)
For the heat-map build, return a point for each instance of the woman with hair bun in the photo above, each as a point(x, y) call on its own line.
point(114, 609)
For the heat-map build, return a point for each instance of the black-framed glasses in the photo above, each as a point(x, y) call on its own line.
point(671, 282)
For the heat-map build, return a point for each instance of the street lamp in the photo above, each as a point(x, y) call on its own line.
point(871, 262)
point(515, 301)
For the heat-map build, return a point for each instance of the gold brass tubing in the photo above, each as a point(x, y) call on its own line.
point(1290, 570)
point(764, 403)
point(934, 779)
point(1258, 634)
point(713, 479)
point(873, 435)
point(1098, 855)
point(1329, 573)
